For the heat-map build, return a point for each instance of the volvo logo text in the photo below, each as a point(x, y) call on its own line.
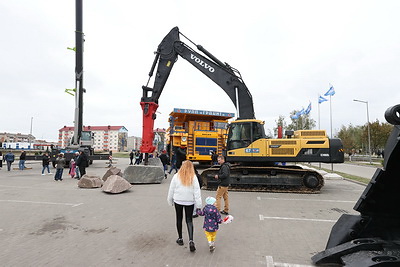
point(202, 63)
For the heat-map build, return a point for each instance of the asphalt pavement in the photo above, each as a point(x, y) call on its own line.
point(49, 223)
point(365, 171)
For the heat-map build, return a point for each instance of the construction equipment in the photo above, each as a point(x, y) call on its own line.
point(252, 154)
point(373, 237)
point(198, 133)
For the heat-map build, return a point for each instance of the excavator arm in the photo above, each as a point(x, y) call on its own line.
point(222, 74)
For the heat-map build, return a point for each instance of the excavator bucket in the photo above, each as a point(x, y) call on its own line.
point(373, 237)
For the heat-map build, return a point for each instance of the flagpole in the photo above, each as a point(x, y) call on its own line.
point(319, 120)
point(330, 105)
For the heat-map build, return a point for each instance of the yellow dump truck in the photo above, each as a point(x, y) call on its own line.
point(195, 134)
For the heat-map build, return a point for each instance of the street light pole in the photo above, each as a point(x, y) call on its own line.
point(369, 133)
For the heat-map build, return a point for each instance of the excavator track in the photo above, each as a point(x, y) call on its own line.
point(280, 179)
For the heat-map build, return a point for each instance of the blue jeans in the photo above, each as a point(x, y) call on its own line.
point(173, 167)
point(21, 164)
point(9, 165)
point(77, 173)
point(58, 175)
point(44, 168)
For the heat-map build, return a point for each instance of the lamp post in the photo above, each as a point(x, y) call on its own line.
point(369, 133)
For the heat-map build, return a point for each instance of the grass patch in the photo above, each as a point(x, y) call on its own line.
point(121, 154)
point(354, 178)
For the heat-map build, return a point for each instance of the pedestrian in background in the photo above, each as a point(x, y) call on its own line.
point(45, 163)
point(214, 158)
point(212, 219)
point(82, 163)
point(1, 160)
point(77, 174)
point(9, 158)
point(22, 159)
point(60, 163)
point(200, 181)
point(140, 158)
point(173, 164)
point(223, 177)
point(164, 160)
point(137, 158)
point(131, 156)
point(184, 193)
point(72, 168)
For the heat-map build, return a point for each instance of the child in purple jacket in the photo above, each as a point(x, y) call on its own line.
point(212, 219)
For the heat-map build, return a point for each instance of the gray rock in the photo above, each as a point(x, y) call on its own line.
point(90, 181)
point(155, 162)
point(116, 184)
point(112, 171)
point(141, 174)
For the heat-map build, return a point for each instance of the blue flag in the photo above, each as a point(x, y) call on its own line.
point(330, 92)
point(294, 117)
point(321, 99)
point(301, 112)
point(308, 109)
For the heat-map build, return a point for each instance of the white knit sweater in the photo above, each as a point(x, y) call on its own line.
point(179, 192)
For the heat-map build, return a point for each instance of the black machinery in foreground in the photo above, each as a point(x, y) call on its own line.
point(373, 237)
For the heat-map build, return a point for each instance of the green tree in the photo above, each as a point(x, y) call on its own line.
point(351, 137)
point(379, 134)
point(355, 138)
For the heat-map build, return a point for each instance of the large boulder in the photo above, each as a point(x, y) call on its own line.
point(112, 171)
point(116, 184)
point(144, 174)
point(90, 181)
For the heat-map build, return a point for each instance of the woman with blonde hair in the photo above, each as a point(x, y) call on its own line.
point(184, 193)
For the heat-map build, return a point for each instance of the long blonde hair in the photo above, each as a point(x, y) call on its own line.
point(186, 173)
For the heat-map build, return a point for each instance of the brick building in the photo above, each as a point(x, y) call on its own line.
point(16, 138)
point(105, 138)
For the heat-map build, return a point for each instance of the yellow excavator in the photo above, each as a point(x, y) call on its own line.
point(257, 162)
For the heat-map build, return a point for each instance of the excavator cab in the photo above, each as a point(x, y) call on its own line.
point(242, 133)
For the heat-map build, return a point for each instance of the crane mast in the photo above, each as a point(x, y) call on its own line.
point(79, 39)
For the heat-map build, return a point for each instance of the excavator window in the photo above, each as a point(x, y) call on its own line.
point(243, 134)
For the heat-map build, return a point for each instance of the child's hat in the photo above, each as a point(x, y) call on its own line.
point(210, 200)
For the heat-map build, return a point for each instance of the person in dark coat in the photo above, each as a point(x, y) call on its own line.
point(214, 158)
point(131, 155)
point(9, 158)
point(223, 178)
point(45, 163)
point(82, 163)
point(22, 159)
point(164, 160)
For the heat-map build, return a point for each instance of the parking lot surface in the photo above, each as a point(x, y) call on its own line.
point(49, 223)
